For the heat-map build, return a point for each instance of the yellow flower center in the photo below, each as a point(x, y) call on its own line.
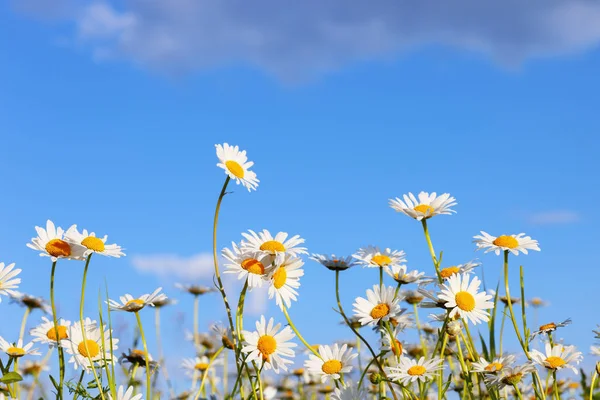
point(465, 301)
point(201, 366)
point(138, 302)
point(58, 248)
point(397, 349)
point(381, 260)
point(448, 272)
point(416, 370)
point(272, 246)
point(298, 372)
point(493, 367)
point(380, 311)
point(93, 243)
point(331, 367)
point(506, 241)
point(235, 168)
point(279, 278)
point(536, 301)
point(15, 352)
point(555, 362)
point(548, 327)
point(138, 353)
point(253, 266)
point(62, 333)
point(267, 346)
point(425, 209)
point(92, 348)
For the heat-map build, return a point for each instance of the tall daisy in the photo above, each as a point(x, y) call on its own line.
point(93, 347)
point(496, 365)
point(270, 346)
point(408, 370)
point(334, 361)
point(265, 244)
point(509, 376)
point(557, 357)
point(550, 327)
point(400, 274)
point(464, 299)
point(92, 243)
point(236, 165)
point(333, 262)
point(29, 301)
point(381, 304)
point(8, 280)
point(447, 272)
point(195, 290)
point(513, 243)
point(349, 391)
point(123, 394)
point(246, 264)
point(426, 206)
point(131, 304)
point(46, 333)
point(50, 243)
point(373, 257)
point(284, 280)
point(193, 366)
point(17, 349)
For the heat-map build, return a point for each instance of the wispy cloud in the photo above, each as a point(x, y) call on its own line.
point(197, 266)
point(554, 217)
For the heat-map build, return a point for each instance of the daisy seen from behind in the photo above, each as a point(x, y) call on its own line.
point(236, 165)
point(333, 361)
point(131, 304)
point(425, 206)
point(462, 296)
point(333, 262)
point(270, 346)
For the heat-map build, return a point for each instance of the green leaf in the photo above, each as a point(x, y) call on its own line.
point(11, 377)
point(54, 382)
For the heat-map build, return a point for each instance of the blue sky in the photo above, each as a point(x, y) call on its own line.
point(124, 146)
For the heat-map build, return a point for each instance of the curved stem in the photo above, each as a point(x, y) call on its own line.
point(436, 263)
point(594, 377)
point(289, 320)
point(146, 355)
point(61, 355)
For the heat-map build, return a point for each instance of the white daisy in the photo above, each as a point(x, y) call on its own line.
point(509, 376)
point(123, 394)
point(408, 370)
point(246, 264)
point(550, 327)
point(513, 243)
point(236, 165)
point(46, 334)
point(557, 357)
point(399, 274)
point(50, 243)
point(33, 368)
point(269, 346)
point(458, 269)
point(284, 280)
point(265, 244)
point(17, 350)
point(395, 349)
point(497, 365)
point(373, 257)
point(92, 243)
point(465, 300)
point(131, 304)
point(333, 262)
point(426, 206)
point(8, 282)
point(350, 391)
point(93, 347)
point(196, 365)
point(224, 333)
point(334, 361)
point(381, 304)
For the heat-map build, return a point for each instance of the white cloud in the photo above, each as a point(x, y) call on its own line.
point(554, 217)
point(197, 266)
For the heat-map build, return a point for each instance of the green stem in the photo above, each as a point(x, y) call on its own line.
point(594, 377)
point(304, 342)
point(441, 373)
point(436, 263)
point(421, 337)
point(61, 355)
point(210, 362)
point(21, 334)
point(519, 395)
point(196, 337)
point(146, 356)
point(464, 368)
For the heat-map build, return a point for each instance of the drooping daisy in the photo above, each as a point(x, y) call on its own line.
point(458, 269)
point(123, 394)
point(46, 334)
point(381, 304)
point(349, 391)
point(408, 370)
point(193, 366)
point(557, 357)
point(269, 346)
point(50, 243)
point(334, 361)
point(426, 206)
point(246, 264)
point(550, 327)
point(497, 365)
point(8, 280)
point(29, 301)
point(17, 350)
point(465, 300)
point(93, 347)
point(92, 243)
point(333, 262)
point(373, 257)
point(513, 243)
point(284, 280)
point(131, 304)
point(224, 333)
point(399, 274)
point(236, 165)
point(264, 243)
point(195, 290)
point(509, 376)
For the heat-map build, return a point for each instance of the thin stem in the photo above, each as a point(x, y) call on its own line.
point(210, 362)
point(146, 355)
point(509, 301)
point(518, 392)
point(289, 320)
point(436, 263)
point(196, 337)
point(61, 356)
point(463, 366)
point(441, 373)
point(21, 333)
point(421, 337)
point(594, 377)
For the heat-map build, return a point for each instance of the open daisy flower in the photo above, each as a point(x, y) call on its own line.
point(46, 333)
point(557, 357)
point(131, 304)
point(447, 272)
point(426, 206)
point(381, 304)
point(193, 366)
point(399, 274)
point(334, 361)
point(248, 265)
point(8, 280)
point(93, 347)
point(464, 299)
point(550, 327)
point(50, 243)
point(409, 370)
point(373, 257)
point(17, 350)
point(284, 280)
point(236, 165)
point(509, 376)
point(123, 394)
point(31, 302)
point(333, 262)
point(513, 243)
point(265, 244)
point(92, 243)
point(349, 391)
point(270, 346)
point(497, 365)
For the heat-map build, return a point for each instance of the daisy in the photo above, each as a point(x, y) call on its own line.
point(236, 165)
point(136, 357)
point(46, 334)
point(196, 365)
point(51, 244)
point(349, 391)
point(513, 243)
point(269, 346)
point(265, 244)
point(550, 327)
point(34, 368)
point(130, 304)
point(92, 243)
point(509, 376)
point(412, 296)
point(395, 349)
point(17, 350)
point(408, 370)
point(195, 290)
point(8, 282)
point(497, 365)
point(557, 357)
point(127, 395)
point(381, 304)
point(400, 275)
point(504, 299)
point(93, 347)
point(458, 269)
point(465, 300)
point(426, 206)
point(537, 302)
point(373, 257)
point(284, 280)
point(246, 264)
point(333, 362)
point(31, 302)
point(224, 333)
point(334, 263)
